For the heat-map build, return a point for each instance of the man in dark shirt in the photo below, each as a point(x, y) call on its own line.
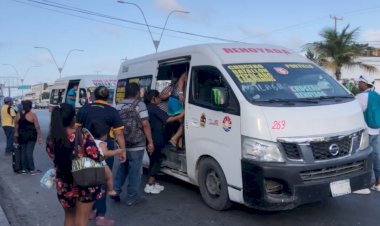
point(158, 118)
point(102, 112)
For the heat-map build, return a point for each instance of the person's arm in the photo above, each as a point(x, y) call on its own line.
point(166, 92)
point(107, 153)
point(148, 134)
point(38, 128)
point(118, 126)
point(16, 128)
point(176, 118)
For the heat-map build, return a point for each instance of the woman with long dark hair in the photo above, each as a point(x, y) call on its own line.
point(27, 132)
point(77, 201)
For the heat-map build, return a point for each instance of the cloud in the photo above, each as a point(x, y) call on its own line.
point(256, 35)
point(40, 59)
point(168, 5)
point(112, 31)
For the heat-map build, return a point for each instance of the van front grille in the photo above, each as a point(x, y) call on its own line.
point(333, 171)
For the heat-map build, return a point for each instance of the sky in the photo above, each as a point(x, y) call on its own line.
point(122, 32)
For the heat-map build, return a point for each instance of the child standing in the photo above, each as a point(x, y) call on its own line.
point(100, 133)
point(157, 119)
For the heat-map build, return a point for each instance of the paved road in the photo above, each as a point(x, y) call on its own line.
point(26, 203)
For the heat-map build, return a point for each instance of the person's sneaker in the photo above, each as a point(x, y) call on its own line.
point(115, 198)
point(159, 186)
point(23, 172)
point(364, 191)
point(104, 221)
point(375, 187)
point(151, 189)
point(35, 172)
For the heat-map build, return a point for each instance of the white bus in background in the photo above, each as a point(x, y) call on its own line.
point(86, 86)
point(264, 126)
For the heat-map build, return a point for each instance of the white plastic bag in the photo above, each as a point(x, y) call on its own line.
point(48, 179)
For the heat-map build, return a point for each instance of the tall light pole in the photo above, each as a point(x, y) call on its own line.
point(52, 56)
point(23, 78)
point(146, 22)
point(18, 75)
point(167, 18)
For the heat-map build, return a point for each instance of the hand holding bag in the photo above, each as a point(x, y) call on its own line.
point(86, 171)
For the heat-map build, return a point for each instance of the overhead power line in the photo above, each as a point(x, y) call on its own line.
point(96, 14)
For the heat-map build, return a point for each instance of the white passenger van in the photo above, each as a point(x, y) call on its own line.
point(86, 86)
point(264, 126)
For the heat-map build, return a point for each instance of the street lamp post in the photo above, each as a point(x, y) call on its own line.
point(156, 43)
point(167, 18)
point(52, 56)
point(18, 75)
point(23, 78)
point(146, 22)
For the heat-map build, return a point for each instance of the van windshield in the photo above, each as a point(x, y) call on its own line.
point(285, 83)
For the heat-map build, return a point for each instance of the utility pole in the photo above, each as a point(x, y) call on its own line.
point(335, 18)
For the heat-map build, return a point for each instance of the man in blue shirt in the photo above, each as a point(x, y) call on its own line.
point(71, 95)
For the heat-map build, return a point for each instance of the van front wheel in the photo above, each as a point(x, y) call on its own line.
point(213, 185)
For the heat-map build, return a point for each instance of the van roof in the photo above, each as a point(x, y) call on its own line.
point(86, 76)
point(230, 53)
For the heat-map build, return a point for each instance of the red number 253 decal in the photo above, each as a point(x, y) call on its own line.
point(279, 124)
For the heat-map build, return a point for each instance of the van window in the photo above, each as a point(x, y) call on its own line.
point(91, 96)
point(56, 96)
point(209, 89)
point(145, 83)
point(290, 83)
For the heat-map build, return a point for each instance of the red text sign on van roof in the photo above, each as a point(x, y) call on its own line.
point(256, 50)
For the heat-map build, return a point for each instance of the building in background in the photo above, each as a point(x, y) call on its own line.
point(39, 95)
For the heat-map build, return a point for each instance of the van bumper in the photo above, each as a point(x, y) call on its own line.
point(295, 189)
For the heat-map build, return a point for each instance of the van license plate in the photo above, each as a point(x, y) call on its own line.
point(341, 187)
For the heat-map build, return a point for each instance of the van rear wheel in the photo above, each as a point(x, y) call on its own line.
point(213, 185)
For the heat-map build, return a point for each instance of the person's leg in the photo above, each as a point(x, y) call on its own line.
point(154, 164)
point(69, 217)
point(9, 133)
point(109, 181)
point(29, 155)
point(82, 213)
point(121, 176)
point(101, 204)
point(134, 172)
point(374, 142)
point(175, 139)
point(24, 161)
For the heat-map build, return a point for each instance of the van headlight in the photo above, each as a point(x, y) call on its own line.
point(364, 140)
point(260, 150)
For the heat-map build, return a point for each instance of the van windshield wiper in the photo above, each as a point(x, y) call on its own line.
point(290, 101)
point(336, 98)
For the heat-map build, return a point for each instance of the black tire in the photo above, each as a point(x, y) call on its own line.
point(213, 185)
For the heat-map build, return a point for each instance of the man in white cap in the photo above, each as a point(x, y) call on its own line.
point(366, 84)
point(8, 115)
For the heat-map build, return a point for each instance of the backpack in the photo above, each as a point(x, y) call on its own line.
point(133, 128)
point(372, 113)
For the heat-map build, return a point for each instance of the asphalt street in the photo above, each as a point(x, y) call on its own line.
point(26, 203)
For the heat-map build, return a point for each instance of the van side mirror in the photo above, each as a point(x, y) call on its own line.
point(219, 96)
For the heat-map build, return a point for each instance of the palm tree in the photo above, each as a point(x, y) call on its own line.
point(338, 50)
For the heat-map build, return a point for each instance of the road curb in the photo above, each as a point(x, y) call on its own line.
point(3, 218)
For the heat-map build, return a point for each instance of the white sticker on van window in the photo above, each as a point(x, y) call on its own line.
point(250, 73)
point(307, 91)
